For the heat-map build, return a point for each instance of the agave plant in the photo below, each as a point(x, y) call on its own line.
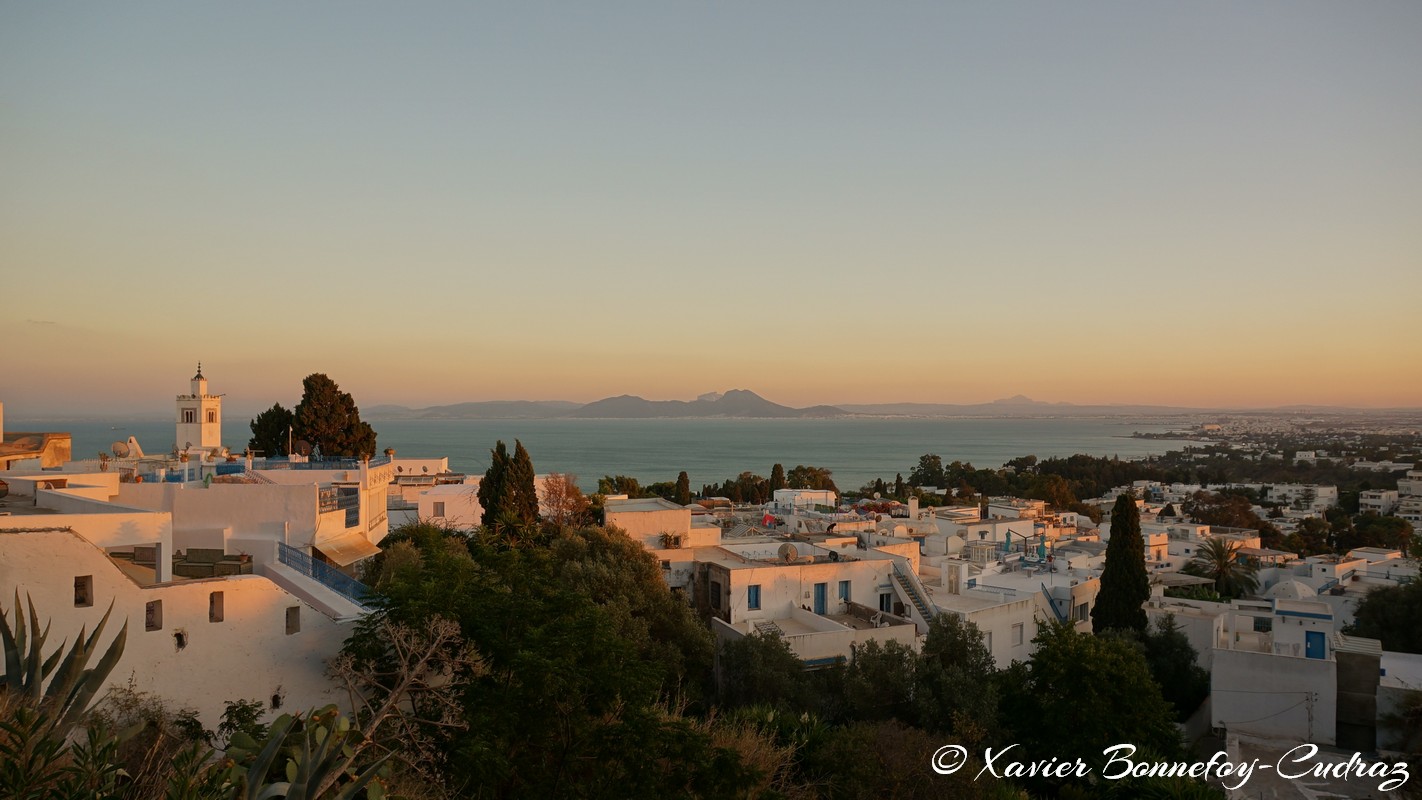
point(319, 761)
point(60, 686)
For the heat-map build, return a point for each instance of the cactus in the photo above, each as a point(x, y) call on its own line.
point(71, 681)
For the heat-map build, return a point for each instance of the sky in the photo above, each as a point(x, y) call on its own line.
point(1211, 203)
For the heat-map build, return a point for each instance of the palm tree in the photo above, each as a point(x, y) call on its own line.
point(1216, 560)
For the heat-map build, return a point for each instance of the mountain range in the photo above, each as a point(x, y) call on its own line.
point(745, 404)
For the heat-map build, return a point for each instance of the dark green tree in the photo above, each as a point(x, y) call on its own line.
point(761, 669)
point(620, 484)
point(270, 431)
point(1081, 694)
point(955, 680)
point(507, 493)
point(328, 418)
point(1390, 614)
point(777, 478)
point(929, 472)
point(803, 477)
point(878, 682)
point(683, 488)
point(1125, 587)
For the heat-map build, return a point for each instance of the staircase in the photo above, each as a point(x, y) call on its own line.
point(911, 591)
point(1052, 604)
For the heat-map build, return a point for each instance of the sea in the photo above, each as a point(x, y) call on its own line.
point(856, 449)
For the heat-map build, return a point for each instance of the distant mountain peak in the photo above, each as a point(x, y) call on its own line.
point(1018, 400)
point(710, 397)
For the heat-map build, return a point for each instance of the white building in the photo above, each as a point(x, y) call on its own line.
point(252, 630)
point(199, 418)
point(1378, 501)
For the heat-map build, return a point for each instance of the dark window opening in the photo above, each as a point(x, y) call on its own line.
point(214, 607)
point(83, 591)
point(153, 615)
point(293, 620)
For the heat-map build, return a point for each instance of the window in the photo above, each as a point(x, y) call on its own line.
point(987, 641)
point(844, 591)
point(666, 565)
point(1017, 634)
point(214, 606)
point(293, 620)
point(439, 509)
point(753, 597)
point(189, 416)
point(1079, 614)
point(83, 591)
point(212, 416)
point(886, 602)
point(153, 615)
point(1263, 624)
point(715, 594)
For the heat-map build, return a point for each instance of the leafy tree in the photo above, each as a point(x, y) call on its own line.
point(328, 418)
point(565, 503)
point(878, 682)
point(683, 489)
point(900, 488)
point(760, 669)
point(270, 431)
point(1232, 509)
point(955, 680)
point(1174, 664)
point(1168, 511)
point(1373, 530)
point(1215, 559)
point(1389, 614)
point(1125, 587)
point(619, 484)
point(929, 472)
point(1081, 694)
point(777, 478)
point(507, 493)
point(1313, 537)
point(803, 477)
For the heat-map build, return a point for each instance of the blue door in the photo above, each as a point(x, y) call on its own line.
point(821, 589)
point(1314, 646)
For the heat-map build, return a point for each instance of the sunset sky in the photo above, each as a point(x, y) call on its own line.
point(1187, 204)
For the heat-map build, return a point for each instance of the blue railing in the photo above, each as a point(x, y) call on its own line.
point(321, 463)
point(327, 576)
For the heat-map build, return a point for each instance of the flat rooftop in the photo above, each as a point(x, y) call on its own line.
point(642, 504)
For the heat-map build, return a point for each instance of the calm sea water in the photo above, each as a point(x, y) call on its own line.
point(710, 450)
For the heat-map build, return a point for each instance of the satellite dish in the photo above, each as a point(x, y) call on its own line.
point(876, 495)
point(834, 555)
point(119, 449)
point(302, 447)
point(788, 552)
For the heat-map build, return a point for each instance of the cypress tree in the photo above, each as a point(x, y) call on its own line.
point(777, 478)
point(491, 489)
point(1125, 587)
point(683, 488)
point(521, 494)
point(328, 418)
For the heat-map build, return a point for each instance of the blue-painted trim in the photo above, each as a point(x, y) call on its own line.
point(1306, 614)
point(828, 661)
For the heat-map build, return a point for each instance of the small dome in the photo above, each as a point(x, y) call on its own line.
point(1290, 590)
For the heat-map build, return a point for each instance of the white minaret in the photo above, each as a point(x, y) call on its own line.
point(199, 417)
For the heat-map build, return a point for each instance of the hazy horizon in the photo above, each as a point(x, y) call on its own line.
point(1203, 205)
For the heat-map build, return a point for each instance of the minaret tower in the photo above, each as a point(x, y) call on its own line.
point(199, 417)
